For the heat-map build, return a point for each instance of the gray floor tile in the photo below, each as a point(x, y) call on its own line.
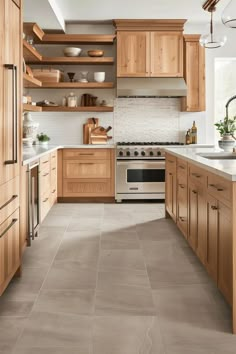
point(15, 308)
point(10, 330)
point(70, 275)
point(56, 330)
point(83, 235)
point(131, 277)
point(131, 259)
point(80, 302)
point(158, 230)
point(57, 220)
point(53, 350)
point(119, 240)
point(127, 335)
point(124, 300)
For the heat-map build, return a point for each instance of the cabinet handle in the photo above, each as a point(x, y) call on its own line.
point(45, 200)
point(182, 167)
point(14, 114)
point(8, 228)
point(8, 202)
point(181, 186)
point(196, 175)
point(53, 191)
point(170, 161)
point(194, 192)
point(45, 161)
point(53, 169)
point(170, 174)
point(213, 207)
point(181, 218)
point(86, 154)
point(86, 163)
point(46, 174)
point(214, 186)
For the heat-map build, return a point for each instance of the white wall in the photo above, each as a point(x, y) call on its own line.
point(152, 115)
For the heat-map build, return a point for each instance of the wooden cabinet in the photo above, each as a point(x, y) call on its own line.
point(9, 249)
point(170, 192)
point(53, 176)
point(149, 48)
point(166, 54)
point(88, 173)
point(133, 56)
point(182, 197)
point(194, 74)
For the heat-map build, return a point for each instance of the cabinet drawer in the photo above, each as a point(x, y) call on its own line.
point(45, 163)
point(9, 249)
point(182, 168)
point(9, 198)
point(86, 154)
point(45, 181)
point(170, 160)
point(53, 159)
point(197, 175)
point(87, 188)
point(45, 205)
point(86, 169)
point(219, 187)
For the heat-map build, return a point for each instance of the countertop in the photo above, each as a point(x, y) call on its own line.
point(224, 168)
point(36, 151)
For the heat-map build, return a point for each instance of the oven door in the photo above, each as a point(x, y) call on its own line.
point(140, 177)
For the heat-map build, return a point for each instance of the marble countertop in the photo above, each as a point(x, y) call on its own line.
point(36, 151)
point(224, 168)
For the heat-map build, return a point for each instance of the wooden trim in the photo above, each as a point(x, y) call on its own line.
point(71, 60)
point(78, 109)
point(86, 200)
point(32, 29)
point(191, 37)
point(18, 3)
point(78, 38)
point(149, 25)
point(29, 81)
point(59, 173)
point(31, 108)
point(78, 85)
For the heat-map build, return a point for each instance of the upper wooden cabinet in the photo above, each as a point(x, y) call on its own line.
point(166, 54)
point(194, 74)
point(149, 48)
point(132, 54)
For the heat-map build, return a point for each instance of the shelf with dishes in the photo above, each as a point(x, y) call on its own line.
point(31, 108)
point(76, 85)
point(72, 61)
point(30, 81)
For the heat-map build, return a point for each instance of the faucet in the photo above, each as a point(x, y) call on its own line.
point(227, 106)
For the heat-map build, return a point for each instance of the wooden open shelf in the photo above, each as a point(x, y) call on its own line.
point(30, 53)
point(30, 108)
point(78, 109)
point(77, 85)
point(31, 81)
point(72, 61)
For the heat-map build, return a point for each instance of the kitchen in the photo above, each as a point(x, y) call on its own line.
point(116, 236)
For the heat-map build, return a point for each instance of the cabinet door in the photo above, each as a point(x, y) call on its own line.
point(212, 236)
point(202, 225)
point(225, 260)
point(166, 54)
point(182, 207)
point(194, 74)
point(9, 249)
point(133, 54)
point(10, 111)
point(193, 216)
point(87, 169)
point(170, 195)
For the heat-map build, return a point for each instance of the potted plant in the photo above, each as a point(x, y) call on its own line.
point(43, 139)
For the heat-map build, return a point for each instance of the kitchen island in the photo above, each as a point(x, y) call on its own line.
point(201, 199)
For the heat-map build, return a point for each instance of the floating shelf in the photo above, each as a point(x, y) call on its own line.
point(30, 53)
point(78, 38)
point(78, 109)
point(77, 85)
point(31, 108)
point(73, 61)
point(31, 81)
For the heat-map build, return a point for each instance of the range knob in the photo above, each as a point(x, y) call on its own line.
point(127, 153)
point(121, 153)
point(143, 153)
point(136, 153)
point(158, 153)
point(151, 153)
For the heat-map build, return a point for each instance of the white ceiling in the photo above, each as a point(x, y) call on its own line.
point(92, 10)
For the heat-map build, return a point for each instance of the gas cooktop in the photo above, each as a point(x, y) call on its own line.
point(133, 143)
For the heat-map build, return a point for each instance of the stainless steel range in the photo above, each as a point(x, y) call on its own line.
point(140, 170)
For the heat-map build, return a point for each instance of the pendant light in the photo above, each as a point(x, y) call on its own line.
point(211, 40)
point(229, 15)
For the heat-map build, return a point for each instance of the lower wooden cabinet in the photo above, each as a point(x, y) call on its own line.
point(212, 237)
point(170, 192)
point(9, 249)
point(88, 173)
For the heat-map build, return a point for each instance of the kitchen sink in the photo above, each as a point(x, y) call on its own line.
point(218, 155)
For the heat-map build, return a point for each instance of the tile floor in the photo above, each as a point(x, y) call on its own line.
point(113, 279)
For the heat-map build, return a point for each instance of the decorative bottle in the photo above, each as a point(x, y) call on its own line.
point(194, 133)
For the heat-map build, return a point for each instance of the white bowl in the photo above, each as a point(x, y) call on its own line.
point(99, 76)
point(72, 51)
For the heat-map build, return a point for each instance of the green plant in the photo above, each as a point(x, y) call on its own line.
point(226, 126)
point(43, 137)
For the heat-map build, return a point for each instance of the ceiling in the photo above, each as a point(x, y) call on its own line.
point(92, 10)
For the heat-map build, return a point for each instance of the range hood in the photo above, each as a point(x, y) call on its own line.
point(151, 87)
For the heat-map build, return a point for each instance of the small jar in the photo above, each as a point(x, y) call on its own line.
point(72, 100)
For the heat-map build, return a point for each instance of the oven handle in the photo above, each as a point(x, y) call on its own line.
point(131, 164)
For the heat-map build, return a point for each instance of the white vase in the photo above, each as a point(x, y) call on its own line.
point(227, 143)
point(99, 76)
point(43, 143)
point(30, 127)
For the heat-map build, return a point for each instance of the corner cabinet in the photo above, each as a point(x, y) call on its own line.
point(194, 74)
point(149, 48)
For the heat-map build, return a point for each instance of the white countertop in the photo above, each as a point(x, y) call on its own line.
point(224, 168)
point(36, 151)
